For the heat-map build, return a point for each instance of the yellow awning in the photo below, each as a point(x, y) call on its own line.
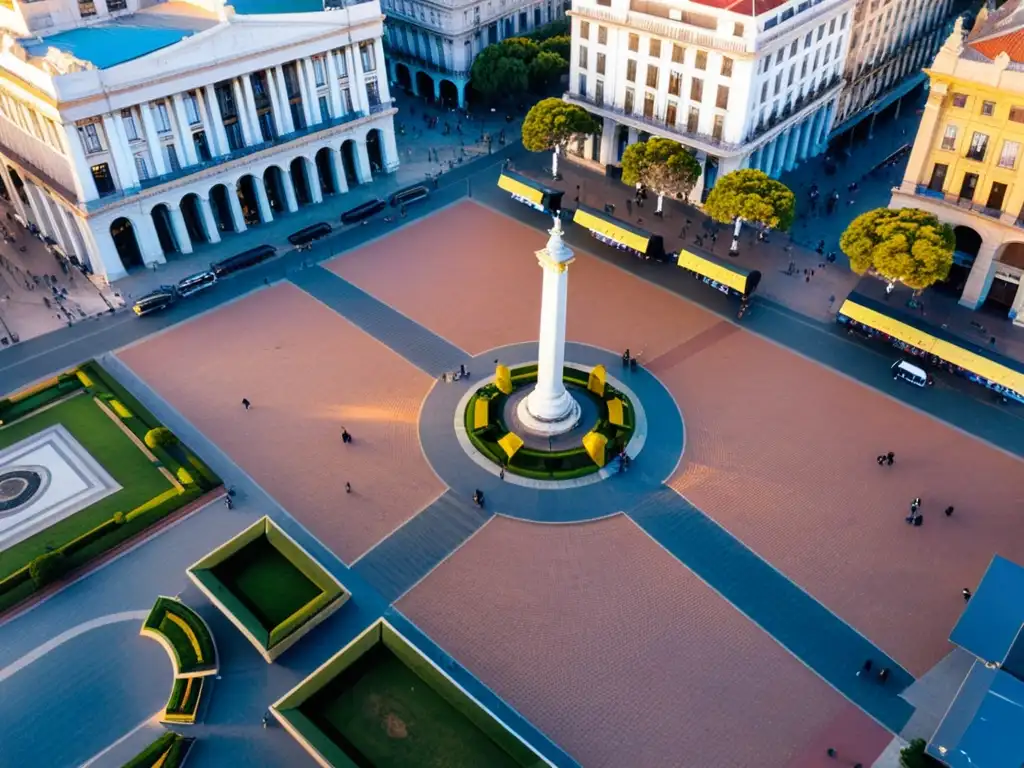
point(511, 443)
point(522, 190)
point(618, 234)
point(481, 413)
point(710, 269)
point(894, 328)
point(615, 415)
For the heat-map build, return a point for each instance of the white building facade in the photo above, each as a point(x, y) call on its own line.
point(891, 42)
point(431, 44)
point(742, 90)
point(129, 133)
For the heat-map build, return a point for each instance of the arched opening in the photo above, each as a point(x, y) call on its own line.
point(325, 171)
point(425, 85)
point(1013, 255)
point(164, 230)
point(19, 185)
point(1006, 280)
point(3, 190)
point(348, 162)
point(193, 215)
point(621, 141)
point(968, 243)
point(249, 200)
point(127, 244)
point(220, 203)
point(403, 77)
point(375, 151)
point(300, 181)
point(449, 93)
point(274, 185)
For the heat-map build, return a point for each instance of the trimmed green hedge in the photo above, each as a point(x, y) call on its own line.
point(188, 660)
point(299, 618)
point(171, 744)
point(14, 409)
point(185, 696)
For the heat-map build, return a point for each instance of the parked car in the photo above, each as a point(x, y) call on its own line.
point(242, 260)
point(193, 284)
point(364, 211)
point(310, 233)
point(156, 300)
point(408, 195)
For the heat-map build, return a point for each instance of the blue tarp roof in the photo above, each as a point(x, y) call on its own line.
point(107, 45)
point(983, 726)
point(253, 7)
point(993, 617)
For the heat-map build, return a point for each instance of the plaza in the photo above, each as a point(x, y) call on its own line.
point(709, 607)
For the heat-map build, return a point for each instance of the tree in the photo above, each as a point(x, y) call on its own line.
point(750, 195)
point(562, 45)
point(551, 124)
point(914, 756)
point(546, 68)
point(495, 72)
point(905, 245)
point(160, 437)
point(522, 48)
point(661, 164)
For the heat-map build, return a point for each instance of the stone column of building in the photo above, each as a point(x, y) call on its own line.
point(237, 216)
point(333, 86)
point(356, 81)
point(149, 241)
point(755, 158)
point(16, 201)
point(85, 185)
point(188, 147)
point(181, 235)
point(105, 263)
point(780, 157)
point(926, 134)
point(262, 201)
point(209, 220)
point(117, 158)
point(980, 280)
point(75, 233)
point(308, 75)
point(608, 141)
point(826, 125)
point(156, 154)
point(316, 194)
point(59, 235)
point(383, 88)
point(770, 150)
point(363, 170)
point(338, 172)
point(389, 147)
point(288, 187)
point(300, 75)
point(810, 125)
point(794, 146)
point(287, 124)
point(242, 90)
point(219, 134)
point(275, 104)
point(35, 205)
point(132, 170)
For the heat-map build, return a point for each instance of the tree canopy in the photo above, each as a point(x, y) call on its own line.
point(753, 196)
point(561, 44)
point(661, 164)
point(904, 245)
point(552, 123)
point(546, 69)
point(497, 72)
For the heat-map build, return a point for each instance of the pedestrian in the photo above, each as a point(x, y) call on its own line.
point(890, 457)
point(501, 472)
point(246, 404)
point(966, 593)
point(345, 436)
point(883, 675)
point(629, 206)
point(949, 511)
point(865, 668)
point(348, 487)
point(881, 460)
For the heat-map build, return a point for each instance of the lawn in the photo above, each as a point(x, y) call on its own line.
point(382, 714)
point(139, 479)
point(266, 583)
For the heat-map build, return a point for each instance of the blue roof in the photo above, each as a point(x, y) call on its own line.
point(983, 726)
point(253, 7)
point(995, 613)
point(107, 45)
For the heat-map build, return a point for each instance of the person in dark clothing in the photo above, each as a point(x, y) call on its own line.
point(345, 436)
point(881, 460)
point(890, 457)
point(966, 593)
point(478, 497)
point(949, 511)
point(246, 404)
point(348, 487)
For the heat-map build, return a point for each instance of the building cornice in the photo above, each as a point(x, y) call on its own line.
point(666, 28)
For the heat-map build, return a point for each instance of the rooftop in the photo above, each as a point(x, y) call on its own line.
point(1001, 31)
point(992, 619)
point(746, 7)
point(254, 7)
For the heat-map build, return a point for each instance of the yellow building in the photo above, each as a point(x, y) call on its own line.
point(967, 164)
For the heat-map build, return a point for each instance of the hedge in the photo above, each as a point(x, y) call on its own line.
point(188, 656)
point(47, 568)
point(83, 377)
point(183, 703)
point(89, 537)
point(163, 501)
point(119, 409)
point(299, 618)
point(149, 757)
point(160, 436)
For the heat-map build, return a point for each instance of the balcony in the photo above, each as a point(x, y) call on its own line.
point(798, 104)
point(156, 181)
point(923, 190)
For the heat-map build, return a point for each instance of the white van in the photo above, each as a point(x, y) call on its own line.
point(901, 369)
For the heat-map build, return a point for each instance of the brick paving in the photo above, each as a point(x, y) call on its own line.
point(308, 373)
point(781, 451)
point(632, 661)
point(469, 274)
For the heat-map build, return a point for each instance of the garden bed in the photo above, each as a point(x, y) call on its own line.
point(184, 635)
point(380, 702)
point(268, 586)
point(169, 751)
point(183, 703)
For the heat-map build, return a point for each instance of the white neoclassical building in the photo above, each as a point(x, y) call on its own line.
point(431, 44)
point(131, 130)
point(746, 84)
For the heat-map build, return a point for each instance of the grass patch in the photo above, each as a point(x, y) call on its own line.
point(187, 634)
point(168, 751)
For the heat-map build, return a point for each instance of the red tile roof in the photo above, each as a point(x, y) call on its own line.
point(1012, 42)
point(746, 7)
point(999, 31)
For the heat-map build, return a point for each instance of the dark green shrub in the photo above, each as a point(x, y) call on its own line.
point(914, 756)
point(119, 518)
point(47, 568)
point(151, 754)
point(15, 579)
point(160, 436)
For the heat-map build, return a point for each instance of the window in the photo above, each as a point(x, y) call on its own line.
point(599, 92)
point(87, 8)
point(141, 168)
point(726, 66)
point(172, 157)
point(585, 30)
point(340, 63)
point(372, 97)
point(979, 144)
point(627, 106)
point(655, 48)
point(832, 26)
point(803, 67)
point(949, 137)
point(319, 70)
point(648, 105)
point(202, 146)
point(366, 57)
point(842, 21)
point(960, 100)
point(602, 35)
point(600, 63)
point(191, 108)
point(938, 178)
point(737, 29)
point(325, 110)
point(828, 53)
point(104, 180)
point(821, 32)
point(90, 138)
point(583, 57)
point(764, 92)
point(1008, 157)
point(634, 42)
point(968, 186)
point(988, 108)
point(583, 85)
point(792, 49)
point(792, 74)
point(778, 83)
point(670, 114)
point(702, 60)
point(693, 120)
point(807, 40)
point(631, 71)
point(130, 128)
point(652, 76)
point(996, 195)
point(722, 100)
point(1017, 114)
point(778, 57)
point(718, 129)
point(696, 89)
point(116, 5)
point(675, 83)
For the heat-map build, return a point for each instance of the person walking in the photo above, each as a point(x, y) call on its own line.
point(348, 487)
point(501, 472)
point(890, 457)
point(949, 511)
point(966, 593)
point(246, 404)
point(345, 436)
point(881, 460)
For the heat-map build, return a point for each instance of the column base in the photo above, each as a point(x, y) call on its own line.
point(565, 418)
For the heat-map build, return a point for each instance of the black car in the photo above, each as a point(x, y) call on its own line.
point(242, 260)
point(408, 195)
point(310, 233)
point(364, 211)
point(156, 300)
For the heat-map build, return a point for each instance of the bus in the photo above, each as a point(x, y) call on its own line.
point(532, 193)
point(620, 234)
point(720, 275)
point(875, 319)
point(242, 260)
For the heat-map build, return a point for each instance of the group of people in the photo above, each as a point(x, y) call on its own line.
point(629, 361)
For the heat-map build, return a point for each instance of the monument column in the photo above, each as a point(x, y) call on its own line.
point(549, 409)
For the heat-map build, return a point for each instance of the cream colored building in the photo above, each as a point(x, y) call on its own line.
point(967, 164)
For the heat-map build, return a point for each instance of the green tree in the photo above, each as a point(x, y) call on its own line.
point(750, 195)
point(661, 164)
point(546, 69)
point(160, 436)
point(562, 45)
point(496, 73)
point(905, 245)
point(551, 124)
point(522, 48)
point(914, 756)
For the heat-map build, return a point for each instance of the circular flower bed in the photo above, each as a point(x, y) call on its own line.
point(539, 464)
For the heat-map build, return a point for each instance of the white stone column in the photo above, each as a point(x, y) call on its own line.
point(180, 230)
point(209, 221)
point(769, 155)
point(81, 249)
point(116, 153)
point(356, 84)
point(16, 201)
point(794, 146)
point(316, 194)
point(549, 409)
point(276, 110)
point(132, 172)
point(289, 191)
point(780, 158)
point(363, 170)
point(383, 88)
point(246, 112)
point(262, 201)
point(152, 139)
point(220, 136)
point(286, 109)
point(85, 185)
point(103, 261)
point(755, 158)
point(389, 147)
point(237, 216)
point(300, 74)
point(149, 242)
point(608, 141)
point(979, 281)
point(308, 76)
point(188, 147)
point(51, 218)
point(334, 86)
point(338, 173)
point(810, 126)
point(36, 206)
